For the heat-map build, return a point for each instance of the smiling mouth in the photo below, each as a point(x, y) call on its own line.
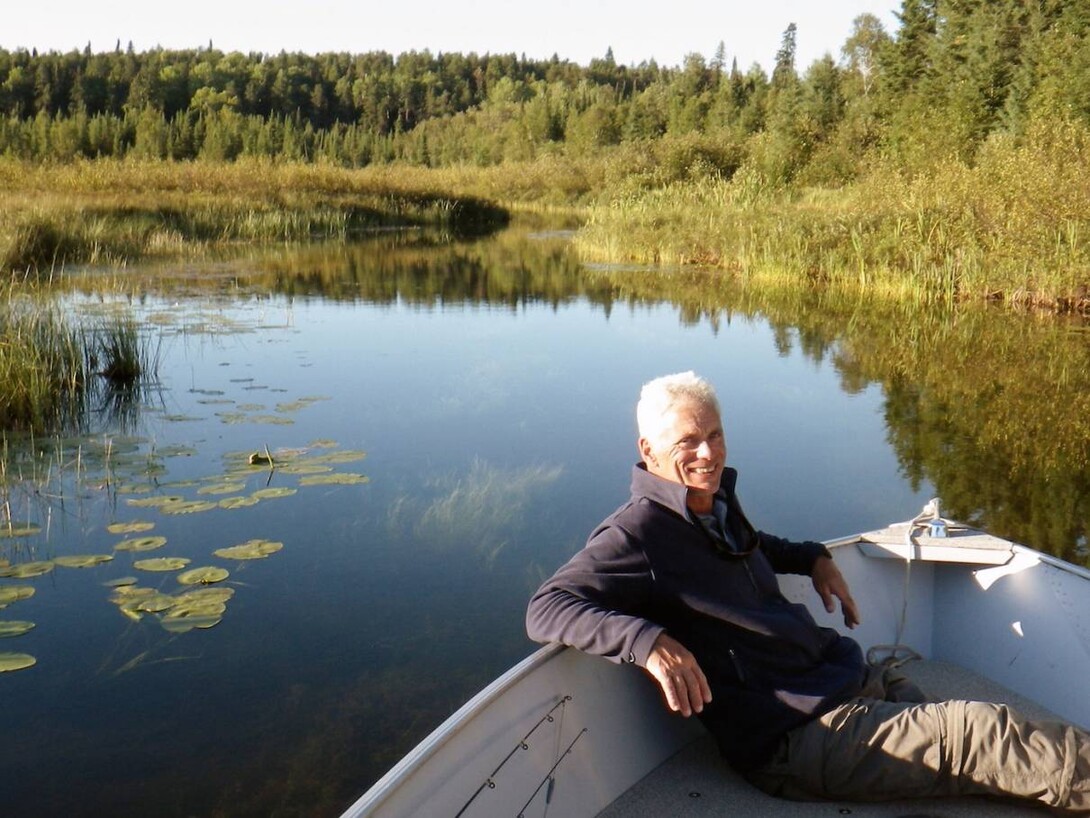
point(704, 470)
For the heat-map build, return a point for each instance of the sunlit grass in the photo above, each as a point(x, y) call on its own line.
point(1013, 226)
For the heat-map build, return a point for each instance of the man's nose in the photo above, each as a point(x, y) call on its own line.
point(704, 450)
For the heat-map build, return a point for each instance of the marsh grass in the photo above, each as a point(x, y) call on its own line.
point(1014, 226)
point(53, 371)
point(111, 212)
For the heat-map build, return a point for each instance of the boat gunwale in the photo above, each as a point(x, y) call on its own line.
point(386, 786)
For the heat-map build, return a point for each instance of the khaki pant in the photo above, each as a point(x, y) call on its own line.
point(873, 749)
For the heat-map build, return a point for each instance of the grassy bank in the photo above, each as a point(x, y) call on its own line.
point(1014, 226)
point(112, 212)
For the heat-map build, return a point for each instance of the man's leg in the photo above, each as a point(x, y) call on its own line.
point(871, 750)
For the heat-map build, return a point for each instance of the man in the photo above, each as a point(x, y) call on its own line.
point(680, 583)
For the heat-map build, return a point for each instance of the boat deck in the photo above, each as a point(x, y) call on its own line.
point(696, 783)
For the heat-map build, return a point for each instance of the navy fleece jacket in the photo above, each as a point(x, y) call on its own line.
point(649, 567)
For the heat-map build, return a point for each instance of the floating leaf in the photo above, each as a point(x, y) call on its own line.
point(141, 544)
point(187, 507)
point(133, 488)
point(83, 560)
point(26, 570)
point(251, 407)
point(249, 550)
point(11, 529)
point(198, 607)
point(323, 443)
point(134, 527)
point(347, 456)
point(121, 582)
point(182, 624)
point(152, 502)
point(274, 492)
point(155, 603)
point(161, 564)
point(15, 661)
point(13, 627)
point(13, 593)
point(238, 502)
point(222, 488)
point(305, 468)
point(204, 576)
point(343, 479)
point(271, 420)
point(205, 595)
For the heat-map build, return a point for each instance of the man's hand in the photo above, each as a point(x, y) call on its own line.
point(829, 583)
point(679, 676)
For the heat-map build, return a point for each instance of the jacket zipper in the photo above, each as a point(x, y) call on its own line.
point(737, 665)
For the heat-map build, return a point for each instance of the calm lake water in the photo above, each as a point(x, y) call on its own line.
point(448, 421)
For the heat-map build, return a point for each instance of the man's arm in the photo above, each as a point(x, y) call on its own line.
point(813, 559)
point(594, 602)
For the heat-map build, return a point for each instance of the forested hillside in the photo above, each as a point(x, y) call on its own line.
point(953, 72)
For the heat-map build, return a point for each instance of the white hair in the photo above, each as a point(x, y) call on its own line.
point(662, 395)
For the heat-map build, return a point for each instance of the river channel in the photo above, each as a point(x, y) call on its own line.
point(446, 420)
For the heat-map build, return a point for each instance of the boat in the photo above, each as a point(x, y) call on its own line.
point(966, 614)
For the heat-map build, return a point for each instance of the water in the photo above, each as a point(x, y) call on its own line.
point(491, 385)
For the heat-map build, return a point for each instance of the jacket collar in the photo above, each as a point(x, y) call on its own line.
point(673, 495)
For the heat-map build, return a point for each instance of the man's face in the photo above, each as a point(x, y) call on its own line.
point(690, 450)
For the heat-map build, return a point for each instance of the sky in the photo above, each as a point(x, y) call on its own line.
point(577, 30)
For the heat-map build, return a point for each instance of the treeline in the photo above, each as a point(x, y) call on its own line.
point(954, 72)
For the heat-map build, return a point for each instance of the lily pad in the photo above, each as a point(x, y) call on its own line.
point(197, 607)
point(250, 550)
point(14, 627)
point(342, 479)
point(161, 564)
point(13, 593)
point(26, 570)
point(134, 527)
point(121, 582)
point(271, 420)
point(222, 488)
point(347, 456)
point(132, 592)
point(187, 507)
point(204, 576)
point(12, 529)
point(153, 502)
point(274, 492)
point(182, 624)
point(306, 468)
point(205, 595)
point(83, 560)
point(141, 544)
point(16, 661)
point(238, 502)
point(156, 603)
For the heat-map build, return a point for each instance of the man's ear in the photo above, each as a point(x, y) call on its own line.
point(645, 451)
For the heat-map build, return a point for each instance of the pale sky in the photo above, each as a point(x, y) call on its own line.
point(578, 30)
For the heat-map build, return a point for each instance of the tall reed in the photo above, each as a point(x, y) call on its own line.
point(54, 371)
